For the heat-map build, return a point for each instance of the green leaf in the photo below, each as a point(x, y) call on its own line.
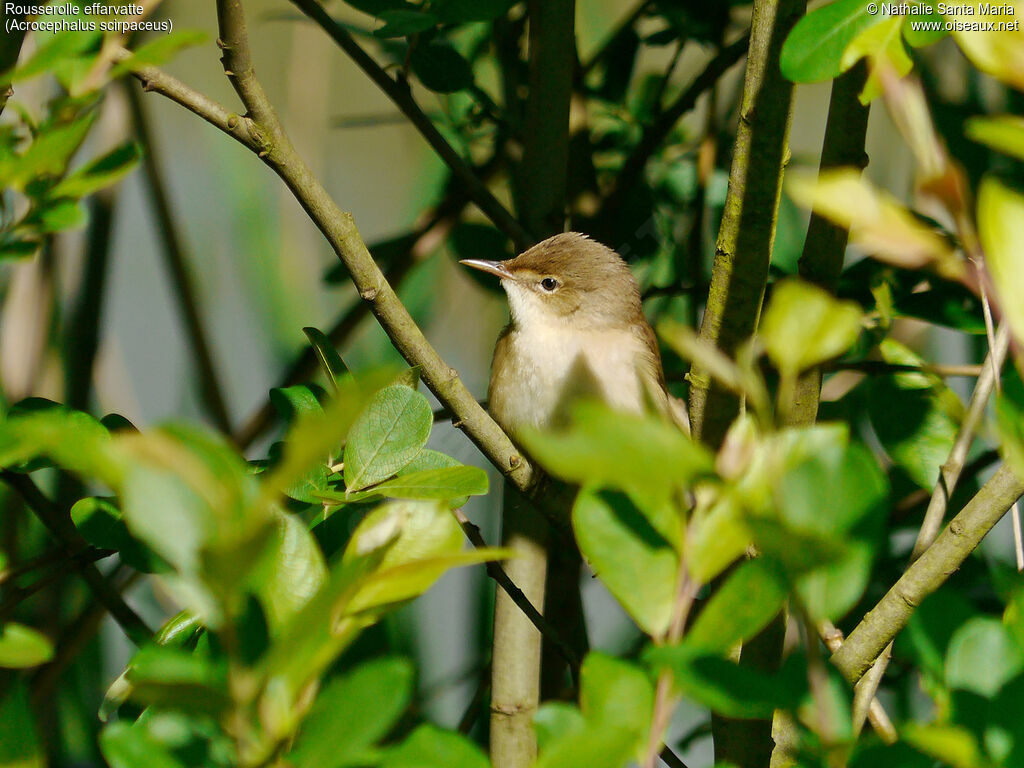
point(127, 746)
point(718, 537)
point(178, 630)
point(191, 498)
point(57, 216)
point(388, 434)
point(913, 426)
point(1003, 133)
point(590, 747)
point(330, 361)
point(291, 402)
point(982, 656)
point(21, 647)
point(640, 454)
point(804, 326)
point(814, 49)
point(100, 523)
point(461, 11)
point(174, 678)
point(631, 558)
point(19, 740)
point(313, 437)
point(159, 50)
point(882, 45)
point(953, 745)
point(554, 721)
point(616, 693)
point(352, 714)
point(294, 571)
point(17, 249)
point(430, 747)
point(100, 173)
point(931, 627)
point(1001, 228)
point(923, 37)
point(72, 439)
point(731, 689)
point(447, 483)
point(314, 637)
point(375, 7)
point(403, 22)
point(48, 154)
point(58, 47)
point(440, 67)
point(749, 598)
point(423, 539)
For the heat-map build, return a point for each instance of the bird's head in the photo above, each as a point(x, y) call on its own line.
point(568, 279)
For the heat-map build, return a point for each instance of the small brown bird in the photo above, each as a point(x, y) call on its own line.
point(577, 330)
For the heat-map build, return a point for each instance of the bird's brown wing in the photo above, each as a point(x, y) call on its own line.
point(652, 375)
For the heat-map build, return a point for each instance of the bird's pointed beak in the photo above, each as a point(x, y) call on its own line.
point(493, 267)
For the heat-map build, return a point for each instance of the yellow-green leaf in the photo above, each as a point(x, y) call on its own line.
point(803, 326)
point(1003, 133)
point(999, 53)
point(878, 222)
point(1001, 228)
point(882, 45)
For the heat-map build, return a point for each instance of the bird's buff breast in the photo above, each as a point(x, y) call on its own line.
point(548, 369)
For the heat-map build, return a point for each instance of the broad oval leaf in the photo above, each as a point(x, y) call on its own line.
point(100, 173)
point(749, 598)
point(440, 67)
point(1004, 133)
point(403, 22)
point(445, 483)
point(1001, 228)
point(386, 436)
point(431, 747)
point(640, 454)
point(130, 746)
point(803, 326)
point(631, 558)
point(814, 49)
point(330, 361)
point(982, 656)
point(22, 646)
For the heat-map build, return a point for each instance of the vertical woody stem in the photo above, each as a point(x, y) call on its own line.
point(738, 279)
point(540, 194)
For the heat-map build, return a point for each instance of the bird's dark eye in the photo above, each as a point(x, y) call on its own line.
point(549, 284)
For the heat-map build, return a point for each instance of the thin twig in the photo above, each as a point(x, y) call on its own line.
point(658, 131)
point(176, 260)
point(501, 578)
point(949, 472)
point(882, 368)
point(59, 524)
point(76, 561)
point(399, 93)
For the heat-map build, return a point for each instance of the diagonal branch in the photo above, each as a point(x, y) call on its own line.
point(961, 537)
point(341, 233)
point(60, 525)
point(399, 93)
